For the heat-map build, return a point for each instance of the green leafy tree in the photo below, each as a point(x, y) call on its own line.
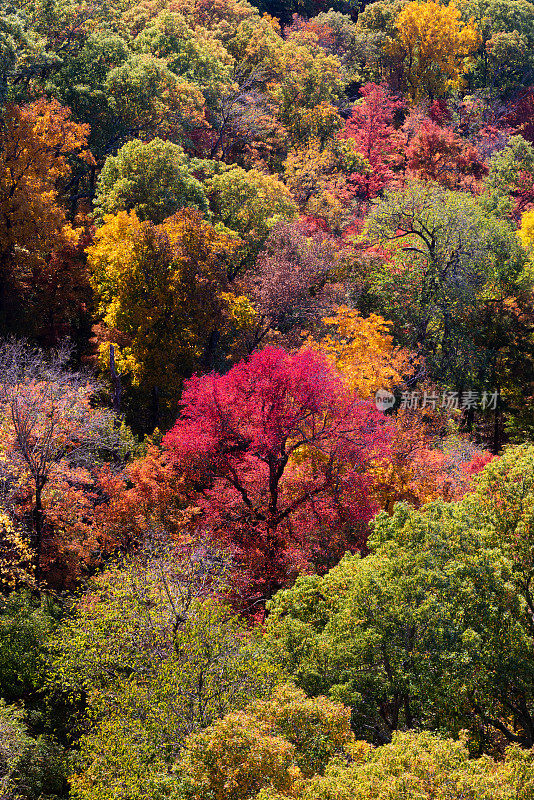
point(145, 95)
point(24, 52)
point(25, 628)
point(508, 185)
point(502, 503)
point(33, 764)
point(196, 55)
point(30, 768)
point(449, 257)
point(156, 661)
point(80, 82)
point(504, 61)
point(308, 91)
point(428, 631)
point(155, 179)
point(249, 203)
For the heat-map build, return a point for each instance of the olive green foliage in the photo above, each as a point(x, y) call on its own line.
point(155, 662)
point(155, 179)
point(358, 48)
point(251, 204)
point(502, 504)
point(427, 767)
point(33, 765)
point(25, 628)
point(30, 768)
point(504, 62)
point(23, 51)
point(195, 55)
point(433, 629)
point(145, 95)
point(80, 83)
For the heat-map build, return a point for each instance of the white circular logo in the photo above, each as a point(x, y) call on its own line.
point(384, 399)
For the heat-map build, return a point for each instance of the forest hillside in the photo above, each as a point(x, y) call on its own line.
point(266, 400)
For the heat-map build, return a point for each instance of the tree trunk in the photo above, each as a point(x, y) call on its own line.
point(155, 407)
point(37, 533)
point(115, 380)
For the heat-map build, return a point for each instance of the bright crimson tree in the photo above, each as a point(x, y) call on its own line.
point(276, 451)
point(371, 127)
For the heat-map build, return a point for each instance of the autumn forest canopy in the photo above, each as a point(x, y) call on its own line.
point(266, 400)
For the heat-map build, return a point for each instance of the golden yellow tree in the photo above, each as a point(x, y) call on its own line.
point(434, 44)
point(364, 352)
point(164, 295)
point(526, 231)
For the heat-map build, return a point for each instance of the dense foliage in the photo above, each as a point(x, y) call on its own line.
point(267, 400)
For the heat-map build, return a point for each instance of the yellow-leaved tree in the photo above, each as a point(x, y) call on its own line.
point(434, 44)
point(364, 352)
point(164, 296)
point(526, 231)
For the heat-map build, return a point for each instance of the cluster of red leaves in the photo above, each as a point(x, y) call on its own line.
point(276, 453)
point(520, 114)
point(73, 545)
point(371, 127)
point(437, 153)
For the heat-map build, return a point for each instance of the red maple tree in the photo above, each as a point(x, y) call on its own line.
point(276, 453)
point(437, 153)
point(371, 127)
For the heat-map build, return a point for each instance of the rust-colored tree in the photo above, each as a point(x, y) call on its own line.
point(51, 437)
point(437, 153)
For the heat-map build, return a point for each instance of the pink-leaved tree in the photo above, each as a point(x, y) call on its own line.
point(276, 454)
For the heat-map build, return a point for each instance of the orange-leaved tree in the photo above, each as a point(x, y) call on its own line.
point(36, 142)
point(427, 461)
point(145, 503)
point(364, 352)
point(416, 468)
